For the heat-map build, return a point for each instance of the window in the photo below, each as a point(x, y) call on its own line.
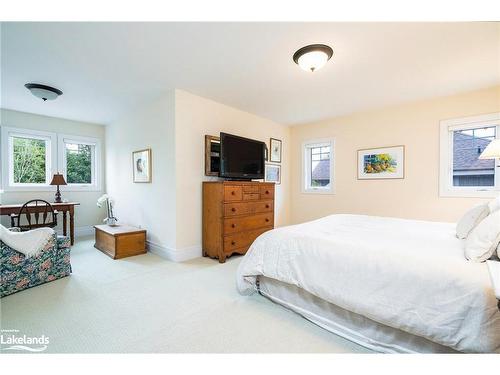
point(462, 173)
point(30, 158)
point(77, 156)
point(318, 167)
point(27, 158)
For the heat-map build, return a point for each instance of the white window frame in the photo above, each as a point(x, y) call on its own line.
point(306, 166)
point(447, 127)
point(55, 160)
point(95, 185)
point(7, 160)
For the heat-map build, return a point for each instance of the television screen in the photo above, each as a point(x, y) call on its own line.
point(241, 158)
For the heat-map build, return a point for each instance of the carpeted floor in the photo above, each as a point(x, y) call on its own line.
point(148, 304)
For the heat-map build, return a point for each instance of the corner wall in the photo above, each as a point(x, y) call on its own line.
point(415, 125)
point(194, 118)
point(148, 205)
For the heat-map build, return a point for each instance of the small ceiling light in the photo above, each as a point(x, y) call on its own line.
point(313, 57)
point(43, 92)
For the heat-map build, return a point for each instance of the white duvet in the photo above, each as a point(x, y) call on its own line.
point(407, 274)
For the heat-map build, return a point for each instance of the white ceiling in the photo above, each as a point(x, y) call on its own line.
point(106, 68)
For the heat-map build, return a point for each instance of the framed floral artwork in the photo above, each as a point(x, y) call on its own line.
point(381, 163)
point(275, 153)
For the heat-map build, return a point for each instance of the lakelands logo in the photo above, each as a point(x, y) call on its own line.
point(13, 340)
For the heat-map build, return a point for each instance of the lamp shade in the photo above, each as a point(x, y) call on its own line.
point(491, 151)
point(58, 179)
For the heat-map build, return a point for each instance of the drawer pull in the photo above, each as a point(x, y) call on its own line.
point(267, 191)
point(233, 225)
point(233, 243)
point(267, 206)
point(267, 220)
point(233, 209)
point(233, 192)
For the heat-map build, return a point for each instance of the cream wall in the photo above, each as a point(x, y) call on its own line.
point(87, 214)
point(147, 205)
point(194, 118)
point(415, 125)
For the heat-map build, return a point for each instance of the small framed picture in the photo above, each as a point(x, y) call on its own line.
point(275, 146)
point(272, 173)
point(142, 165)
point(381, 163)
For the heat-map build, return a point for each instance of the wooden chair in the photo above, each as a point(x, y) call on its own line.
point(38, 213)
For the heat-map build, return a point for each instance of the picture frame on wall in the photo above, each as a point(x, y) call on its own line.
point(272, 173)
point(381, 163)
point(275, 150)
point(141, 164)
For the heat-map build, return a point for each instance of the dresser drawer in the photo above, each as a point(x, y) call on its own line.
point(240, 224)
point(251, 196)
point(250, 188)
point(242, 240)
point(233, 193)
point(266, 192)
point(245, 208)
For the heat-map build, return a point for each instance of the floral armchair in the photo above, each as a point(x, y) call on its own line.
point(19, 273)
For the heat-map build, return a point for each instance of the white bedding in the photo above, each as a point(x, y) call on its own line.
point(410, 275)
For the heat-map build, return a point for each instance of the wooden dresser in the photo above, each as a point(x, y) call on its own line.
point(234, 214)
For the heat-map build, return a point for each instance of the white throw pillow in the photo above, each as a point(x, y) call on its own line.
point(494, 204)
point(483, 239)
point(471, 218)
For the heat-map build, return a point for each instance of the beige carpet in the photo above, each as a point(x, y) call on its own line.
point(148, 304)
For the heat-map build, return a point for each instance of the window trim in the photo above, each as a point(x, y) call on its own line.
point(446, 188)
point(95, 185)
point(306, 172)
point(57, 161)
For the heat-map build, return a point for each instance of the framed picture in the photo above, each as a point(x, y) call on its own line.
point(275, 146)
point(141, 161)
point(272, 173)
point(381, 163)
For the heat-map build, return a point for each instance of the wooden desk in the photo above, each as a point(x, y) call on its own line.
point(65, 208)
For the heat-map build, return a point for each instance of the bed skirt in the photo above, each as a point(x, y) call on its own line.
point(354, 327)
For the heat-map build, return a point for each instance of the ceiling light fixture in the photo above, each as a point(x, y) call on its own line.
point(313, 57)
point(43, 92)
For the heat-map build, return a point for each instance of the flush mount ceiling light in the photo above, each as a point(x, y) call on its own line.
point(313, 57)
point(43, 92)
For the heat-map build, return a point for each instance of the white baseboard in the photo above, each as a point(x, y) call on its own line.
point(84, 231)
point(175, 255)
point(80, 231)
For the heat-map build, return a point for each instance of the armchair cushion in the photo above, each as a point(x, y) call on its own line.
point(19, 272)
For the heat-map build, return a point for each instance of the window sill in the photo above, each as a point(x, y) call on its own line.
point(24, 189)
point(318, 191)
point(466, 193)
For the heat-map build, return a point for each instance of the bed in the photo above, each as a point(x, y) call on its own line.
point(392, 285)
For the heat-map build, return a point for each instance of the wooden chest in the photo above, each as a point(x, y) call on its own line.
point(234, 214)
point(120, 241)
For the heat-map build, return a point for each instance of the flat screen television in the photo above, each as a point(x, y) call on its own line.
point(241, 158)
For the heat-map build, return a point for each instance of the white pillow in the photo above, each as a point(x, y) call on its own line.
point(483, 239)
point(494, 204)
point(471, 218)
